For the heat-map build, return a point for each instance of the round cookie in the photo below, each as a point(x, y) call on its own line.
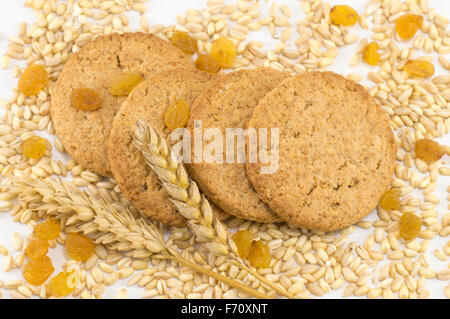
point(336, 151)
point(149, 101)
point(227, 103)
point(84, 134)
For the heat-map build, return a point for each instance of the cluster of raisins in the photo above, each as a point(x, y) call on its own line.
point(222, 55)
point(255, 251)
point(39, 268)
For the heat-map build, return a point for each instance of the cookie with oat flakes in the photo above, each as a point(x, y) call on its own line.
point(149, 102)
point(336, 151)
point(85, 134)
point(227, 103)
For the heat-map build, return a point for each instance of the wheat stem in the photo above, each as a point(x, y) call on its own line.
point(170, 254)
point(188, 200)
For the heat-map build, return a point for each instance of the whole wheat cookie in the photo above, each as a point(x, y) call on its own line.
point(84, 134)
point(336, 151)
point(227, 103)
point(149, 102)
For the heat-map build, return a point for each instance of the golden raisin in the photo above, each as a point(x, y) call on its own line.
point(259, 255)
point(419, 68)
point(243, 241)
point(47, 230)
point(62, 284)
point(38, 270)
point(33, 79)
point(224, 51)
point(124, 83)
point(343, 15)
point(207, 63)
point(370, 53)
point(390, 199)
point(177, 115)
point(428, 150)
point(184, 42)
point(34, 147)
point(86, 99)
point(407, 25)
point(36, 248)
point(409, 226)
point(79, 247)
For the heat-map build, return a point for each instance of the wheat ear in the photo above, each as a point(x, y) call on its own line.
point(188, 200)
point(118, 230)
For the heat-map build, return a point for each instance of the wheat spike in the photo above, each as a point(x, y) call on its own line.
point(136, 236)
point(187, 199)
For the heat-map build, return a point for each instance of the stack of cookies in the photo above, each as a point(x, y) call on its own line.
point(336, 148)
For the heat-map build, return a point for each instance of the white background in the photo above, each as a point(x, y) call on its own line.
point(164, 12)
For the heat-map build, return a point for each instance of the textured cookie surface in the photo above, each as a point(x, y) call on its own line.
point(84, 134)
point(228, 102)
point(149, 101)
point(336, 151)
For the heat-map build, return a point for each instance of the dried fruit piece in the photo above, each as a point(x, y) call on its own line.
point(86, 99)
point(409, 226)
point(370, 53)
point(79, 247)
point(177, 115)
point(62, 284)
point(33, 79)
point(259, 255)
point(36, 248)
point(243, 241)
point(419, 68)
point(183, 41)
point(124, 83)
point(224, 51)
point(47, 230)
point(38, 270)
point(343, 15)
point(207, 63)
point(34, 147)
point(428, 150)
point(390, 199)
point(407, 25)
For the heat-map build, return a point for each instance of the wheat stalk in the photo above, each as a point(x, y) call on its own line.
point(118, 230)
point(186, 197)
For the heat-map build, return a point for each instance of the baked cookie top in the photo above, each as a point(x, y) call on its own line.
point(84, 134)
point(228, 102)
point(336, 151)
point(149, 102)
